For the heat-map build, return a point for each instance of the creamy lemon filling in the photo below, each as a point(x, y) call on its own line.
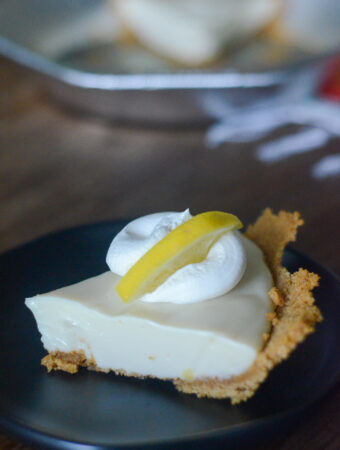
point(219, 337)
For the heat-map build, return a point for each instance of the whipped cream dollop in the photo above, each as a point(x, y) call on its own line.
point(217, 274)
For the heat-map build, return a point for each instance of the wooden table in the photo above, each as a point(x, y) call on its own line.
point(59, 169)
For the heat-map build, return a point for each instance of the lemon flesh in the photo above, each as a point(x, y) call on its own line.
point(189, 243)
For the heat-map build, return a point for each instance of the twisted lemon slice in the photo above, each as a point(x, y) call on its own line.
point(189, 243)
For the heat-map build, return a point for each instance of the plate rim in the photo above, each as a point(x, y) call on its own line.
point(114, 82)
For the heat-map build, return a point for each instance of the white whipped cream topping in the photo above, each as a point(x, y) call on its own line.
point(218, 274)
point(139, 236)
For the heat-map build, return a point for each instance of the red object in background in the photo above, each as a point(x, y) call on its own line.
point(330, 85)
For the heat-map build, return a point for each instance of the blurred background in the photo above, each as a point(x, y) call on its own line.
point(115, 109)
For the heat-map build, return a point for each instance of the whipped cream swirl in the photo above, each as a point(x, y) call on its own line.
point(217, 274)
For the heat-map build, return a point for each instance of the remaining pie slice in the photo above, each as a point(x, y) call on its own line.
point(221, 347)
point(192, 33)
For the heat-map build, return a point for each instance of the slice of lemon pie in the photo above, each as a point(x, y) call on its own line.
point(188, 299)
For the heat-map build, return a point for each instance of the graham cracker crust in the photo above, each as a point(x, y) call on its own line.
point(293, 319)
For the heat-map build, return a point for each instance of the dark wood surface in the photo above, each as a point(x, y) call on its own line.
point(59, 169)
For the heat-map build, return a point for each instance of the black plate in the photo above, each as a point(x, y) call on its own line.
point(94, 410)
